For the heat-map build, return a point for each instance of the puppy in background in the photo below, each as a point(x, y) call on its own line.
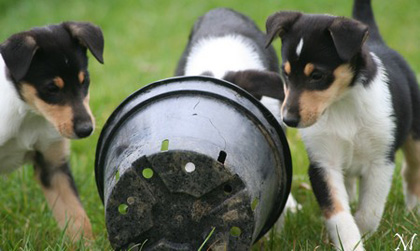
point(355, 102)
point(226, 44)
point(44, 102)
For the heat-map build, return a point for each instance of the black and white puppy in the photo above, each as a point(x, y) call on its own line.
point(355, 102)
point(44, 102)
point(228, 45)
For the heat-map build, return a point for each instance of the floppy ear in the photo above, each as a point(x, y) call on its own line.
point(89, 35)
point(258, 83)
point(279, 23)
point(348, 36)
point(17, 53)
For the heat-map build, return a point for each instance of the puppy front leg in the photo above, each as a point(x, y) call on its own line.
point(330, 192)
point(52, 170)
point(374, 188)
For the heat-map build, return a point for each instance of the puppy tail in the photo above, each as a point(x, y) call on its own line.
point(362, 11)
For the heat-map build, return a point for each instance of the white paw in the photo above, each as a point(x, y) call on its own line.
point(344, 232)
point(292, 205)
point(367, 222)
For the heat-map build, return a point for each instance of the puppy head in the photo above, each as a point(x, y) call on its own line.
point(320, 54)
point(48, 66)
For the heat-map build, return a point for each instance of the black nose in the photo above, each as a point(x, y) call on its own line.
point(83, 129)
point(291, 120)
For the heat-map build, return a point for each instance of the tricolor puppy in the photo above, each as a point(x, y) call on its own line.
point(44, 102)
point(228, 45)
point(356, 102)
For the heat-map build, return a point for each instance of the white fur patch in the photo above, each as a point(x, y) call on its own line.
point(219, 55)
point(21, 130)
point(299, 47)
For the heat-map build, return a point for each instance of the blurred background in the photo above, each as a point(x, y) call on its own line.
point(143, 41)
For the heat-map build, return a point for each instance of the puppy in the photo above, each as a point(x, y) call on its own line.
point(44, 102)
point(228, 45)
point(355, 102)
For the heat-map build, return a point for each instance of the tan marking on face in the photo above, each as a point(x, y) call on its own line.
point(59, 82)
point(286, 96)
point(287, 68)
point(66, 207)
point(309, 68)
point(411, 171)
point(87, 107)
point(313, 103)
point(81, 77)
point(60, 116)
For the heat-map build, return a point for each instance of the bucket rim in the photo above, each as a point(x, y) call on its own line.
point(280, 202)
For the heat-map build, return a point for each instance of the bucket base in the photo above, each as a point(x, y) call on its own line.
point(173, 200)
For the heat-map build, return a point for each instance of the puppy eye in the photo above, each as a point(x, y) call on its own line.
point(52, 88)
point(316, 76)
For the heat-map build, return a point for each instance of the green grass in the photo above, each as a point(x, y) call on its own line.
point(143, 41)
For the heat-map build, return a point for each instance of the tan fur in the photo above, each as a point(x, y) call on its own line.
point(61, 116)
point(336, 206)
point(81, 77)
point(313, 103)
point(58, 152)
point(67, 208)
point(411, 171)
point(59, 82)
point(287, 68)
point(309, 68)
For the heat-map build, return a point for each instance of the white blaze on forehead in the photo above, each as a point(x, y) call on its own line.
point(299, 47)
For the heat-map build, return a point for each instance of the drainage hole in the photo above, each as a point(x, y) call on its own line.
point(227, 188)
point(122, 209)
point(130, 200)
point(235, 231)
point(189, 167)
point(147, 173)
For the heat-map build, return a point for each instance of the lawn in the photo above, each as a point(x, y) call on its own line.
point(143, 41)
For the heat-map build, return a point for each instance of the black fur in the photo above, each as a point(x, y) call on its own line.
point(320, 187)
point(402, 80)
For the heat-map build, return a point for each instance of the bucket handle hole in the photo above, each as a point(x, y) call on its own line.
point(165, 145)
point(222, 157)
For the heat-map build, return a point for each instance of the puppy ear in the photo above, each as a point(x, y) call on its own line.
point(258, 83)
point(348, 36)
point(279, 23)
point(17, 53)
point(89, 35)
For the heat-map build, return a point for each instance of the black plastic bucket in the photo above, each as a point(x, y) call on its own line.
point(184, 156)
